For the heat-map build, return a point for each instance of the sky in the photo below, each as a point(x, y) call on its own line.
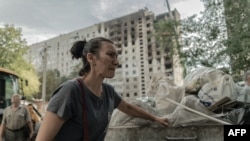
point(44, 19)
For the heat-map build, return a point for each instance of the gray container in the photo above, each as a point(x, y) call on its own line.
point(149, 133)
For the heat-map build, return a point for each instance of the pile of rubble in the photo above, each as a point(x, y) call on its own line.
point(208, 96)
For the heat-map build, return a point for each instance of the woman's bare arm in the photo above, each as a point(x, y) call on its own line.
point(136, 111)
point(50, 126)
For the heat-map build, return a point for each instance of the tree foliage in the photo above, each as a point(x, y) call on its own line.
point(12, 46)
point(237, 15)
point(218, 37)
point(12, 50)
point(53, 80)
point(167, 35)
point(204, 38)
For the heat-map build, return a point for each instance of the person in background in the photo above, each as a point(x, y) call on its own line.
point(64, 118)
point(15, 118)
point(245, 93)
point(34, 117)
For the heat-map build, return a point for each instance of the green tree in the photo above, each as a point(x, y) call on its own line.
point(204, 38)
point(12, 49)
point(218, 37)
point(12, 45)
point(167, 35)
point(53, 80)
point(75, 71)
point(237, 14)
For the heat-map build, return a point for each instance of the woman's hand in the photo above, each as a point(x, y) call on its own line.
point(163, 121)
point(136, 111)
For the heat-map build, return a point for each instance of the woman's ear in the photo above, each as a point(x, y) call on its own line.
point(91, 59)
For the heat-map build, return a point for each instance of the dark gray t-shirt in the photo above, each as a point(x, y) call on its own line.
point(66, 102)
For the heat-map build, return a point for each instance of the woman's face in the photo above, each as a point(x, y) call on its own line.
point(106, 61)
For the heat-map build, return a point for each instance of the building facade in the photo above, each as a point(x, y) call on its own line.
point(139, 56)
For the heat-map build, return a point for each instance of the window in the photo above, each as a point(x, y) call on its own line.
point(150, 61)
point(159, 60)
point(135, 94)
point(127, 80)
point(134, 71)
point(149, 54)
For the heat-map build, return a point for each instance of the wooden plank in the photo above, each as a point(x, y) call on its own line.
point(219, 103)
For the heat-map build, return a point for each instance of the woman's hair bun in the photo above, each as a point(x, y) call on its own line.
point(77, 49)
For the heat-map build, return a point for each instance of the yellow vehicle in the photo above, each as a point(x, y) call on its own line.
point(10, 83)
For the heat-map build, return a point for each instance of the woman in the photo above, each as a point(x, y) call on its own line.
point(64, 120)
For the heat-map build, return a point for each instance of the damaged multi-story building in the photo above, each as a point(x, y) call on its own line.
point(139, 56)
